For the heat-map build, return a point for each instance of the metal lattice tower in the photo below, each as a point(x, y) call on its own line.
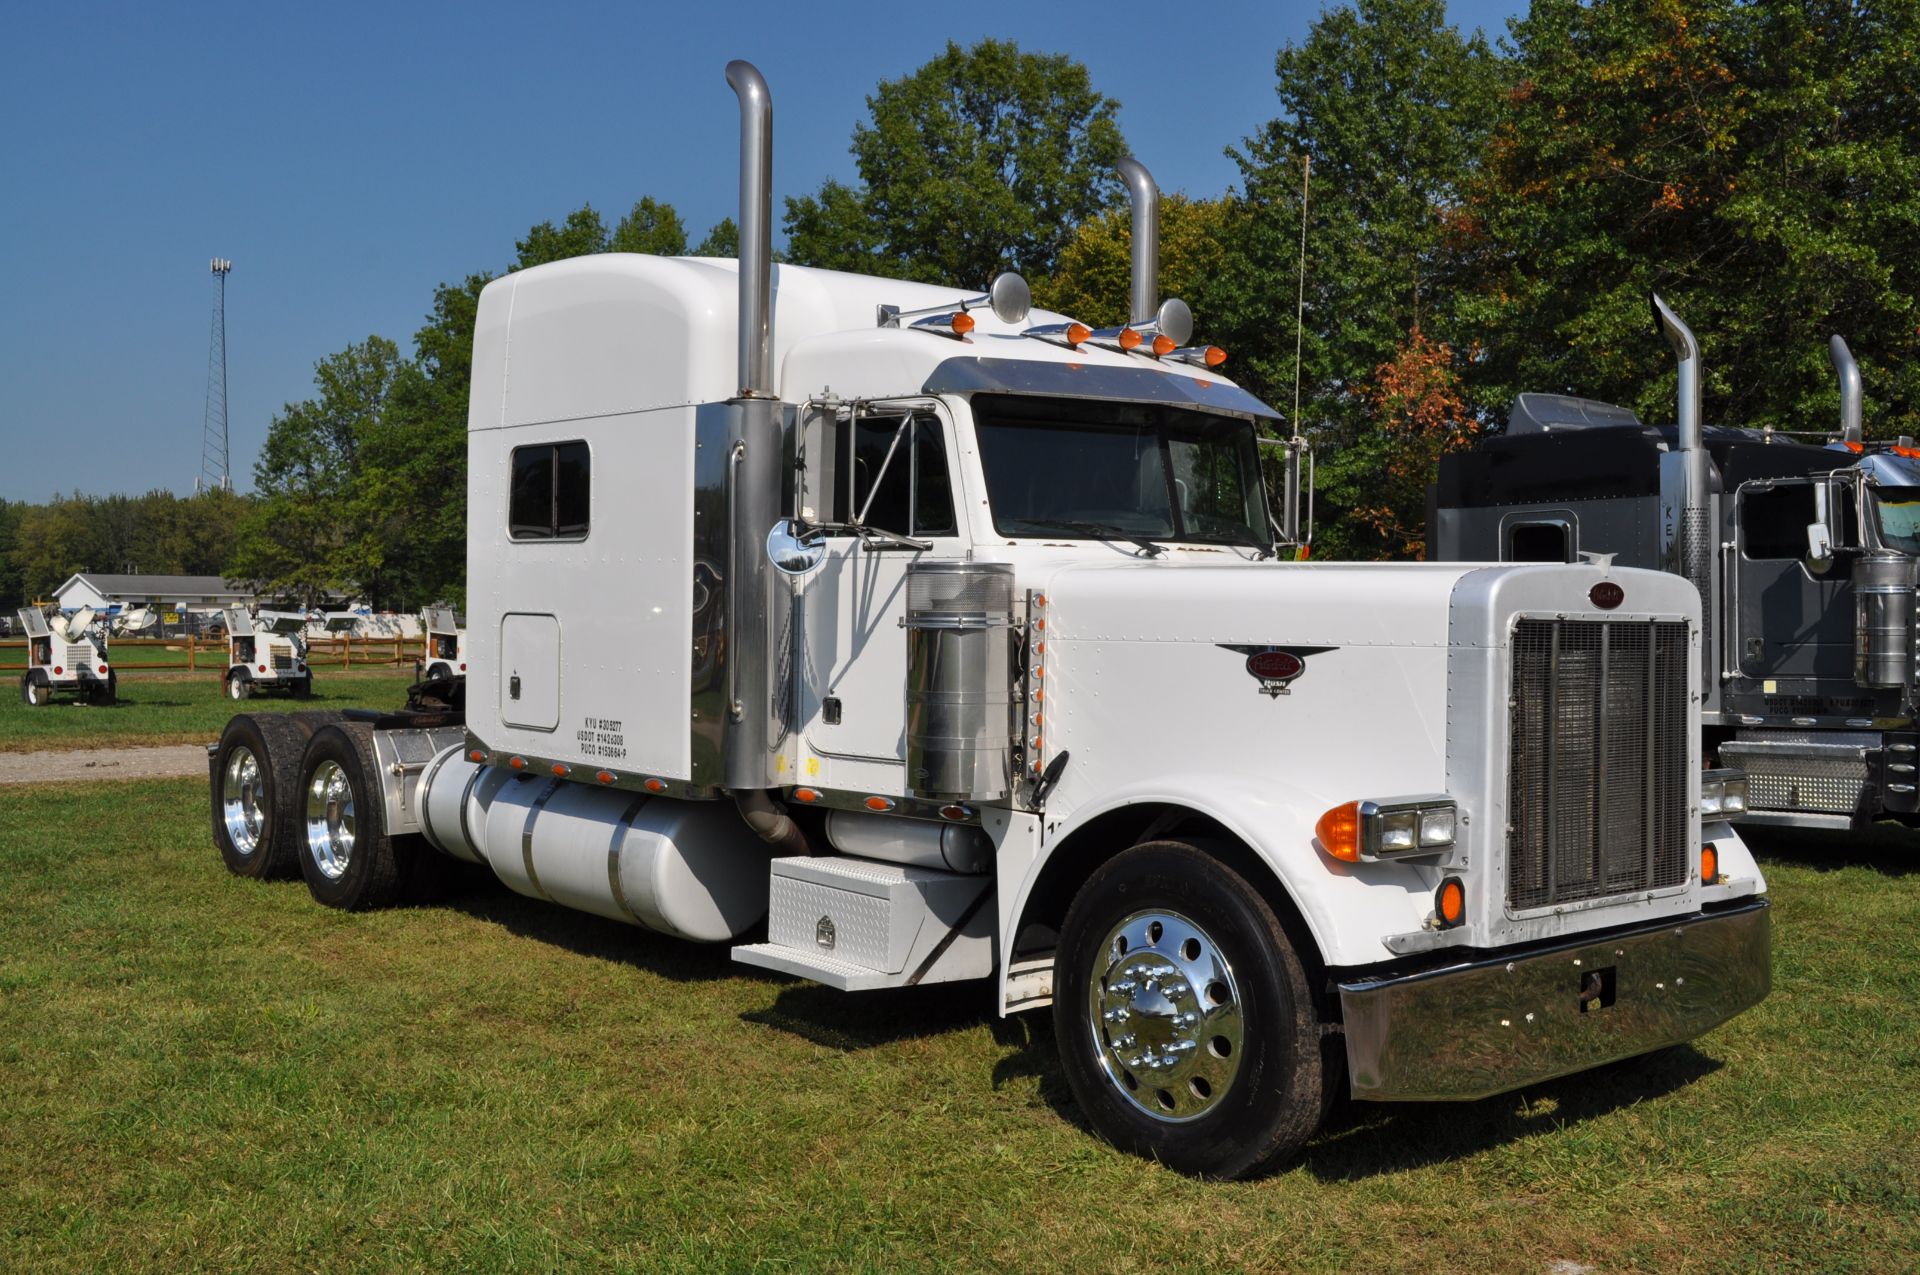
point(213, 429)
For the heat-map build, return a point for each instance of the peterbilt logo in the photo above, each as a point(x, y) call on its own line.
point(1277, 667)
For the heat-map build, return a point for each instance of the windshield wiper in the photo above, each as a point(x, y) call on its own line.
point(1094, 530)
point(1245, 539)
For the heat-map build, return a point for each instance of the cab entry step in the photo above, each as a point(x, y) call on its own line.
point(856, 924)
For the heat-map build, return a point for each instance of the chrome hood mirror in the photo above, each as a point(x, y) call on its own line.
point(791, 551)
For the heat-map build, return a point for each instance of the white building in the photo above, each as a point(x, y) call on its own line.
point(167, 593)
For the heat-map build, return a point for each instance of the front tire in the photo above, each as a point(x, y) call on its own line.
point(1185, 1022)
point(239, 686)
point(346, 856)
point(255, 790)
point(34, 693)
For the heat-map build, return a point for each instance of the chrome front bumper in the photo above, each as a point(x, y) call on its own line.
point(1470, 1030)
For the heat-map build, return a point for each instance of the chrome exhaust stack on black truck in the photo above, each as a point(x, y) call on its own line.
point(1692, 549)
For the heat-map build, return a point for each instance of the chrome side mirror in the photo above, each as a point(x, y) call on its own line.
point(1819, 548)
point(791, 552)
point(1010, 297)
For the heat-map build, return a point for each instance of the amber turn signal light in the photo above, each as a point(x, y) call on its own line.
point(1339, 832)
point(1450, 903)
point(1709, 864)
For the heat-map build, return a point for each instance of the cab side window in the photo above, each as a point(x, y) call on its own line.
point(914, 491)
point(1539, 542)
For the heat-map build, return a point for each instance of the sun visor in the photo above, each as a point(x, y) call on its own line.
point(1093, 381)
point(1889, 470)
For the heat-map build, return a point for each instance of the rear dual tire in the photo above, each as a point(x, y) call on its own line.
point(256, 774)
point(346, 855)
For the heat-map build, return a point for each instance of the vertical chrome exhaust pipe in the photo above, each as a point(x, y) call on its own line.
point(753, 454)
point(1693, 551)
point(756, 228)
point(1851, 393)
point(1144, 298)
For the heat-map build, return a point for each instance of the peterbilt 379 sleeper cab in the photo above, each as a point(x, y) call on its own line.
point(906, 649)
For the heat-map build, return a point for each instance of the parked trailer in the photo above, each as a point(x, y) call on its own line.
point(1803, 555)
point(949, 640)
point(66, 655)
point(266, 653)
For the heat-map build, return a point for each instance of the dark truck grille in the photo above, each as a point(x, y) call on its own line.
point(1597, 797)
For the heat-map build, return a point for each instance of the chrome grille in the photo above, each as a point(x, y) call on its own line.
point(1597, 776)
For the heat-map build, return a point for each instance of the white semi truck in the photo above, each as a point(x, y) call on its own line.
point(267, 652)
point(66, 655)
point(949, 641)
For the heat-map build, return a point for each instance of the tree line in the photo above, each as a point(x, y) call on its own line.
point(1480, 219)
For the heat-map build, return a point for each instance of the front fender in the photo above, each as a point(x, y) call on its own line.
point(1348, 908)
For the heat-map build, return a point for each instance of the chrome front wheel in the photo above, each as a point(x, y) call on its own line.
point(331, 821)
point(1163, 1011)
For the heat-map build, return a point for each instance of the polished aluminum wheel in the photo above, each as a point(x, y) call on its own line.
point(241, 805)
point(1164, 1013)
point(330, 820)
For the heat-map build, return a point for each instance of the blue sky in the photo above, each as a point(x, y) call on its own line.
point(347, 157)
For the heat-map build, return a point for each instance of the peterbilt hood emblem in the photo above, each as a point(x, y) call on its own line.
point(1276, 667)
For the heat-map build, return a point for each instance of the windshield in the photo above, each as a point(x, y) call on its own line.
point(1897, 512)
point(1105, 470)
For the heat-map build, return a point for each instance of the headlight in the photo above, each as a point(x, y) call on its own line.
point(1404, 826)
point(1723, 792)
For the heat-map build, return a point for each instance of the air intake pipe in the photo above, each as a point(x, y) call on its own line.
point(1144, 298)
point(1694, 547)
point(1850, 391)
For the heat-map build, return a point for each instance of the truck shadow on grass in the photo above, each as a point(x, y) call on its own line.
point(1367, 1139)
point(1890, 849)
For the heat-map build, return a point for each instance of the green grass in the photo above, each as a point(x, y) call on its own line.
point(163, 708)
point(198, 1071)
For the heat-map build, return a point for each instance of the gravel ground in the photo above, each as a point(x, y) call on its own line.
point(164, 762)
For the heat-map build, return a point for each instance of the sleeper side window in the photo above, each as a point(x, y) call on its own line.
point(550, 491)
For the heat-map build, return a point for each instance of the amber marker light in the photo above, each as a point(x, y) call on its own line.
point(477, 755)
point(1128, 338)
point(962, 323)
point(806, 795)
point(604, 776)
point(1078, 334)
point(559, 770)
point(1339, 832)
point(1709, 863)
point(518, 763)
point(882, 804)
point(655, 785)
point(1450, 903)
point(1164, 344)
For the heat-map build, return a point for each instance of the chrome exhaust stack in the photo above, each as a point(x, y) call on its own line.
point(1851, 393)
point(753, 456)
point(1692, 551)
point(1143, 303)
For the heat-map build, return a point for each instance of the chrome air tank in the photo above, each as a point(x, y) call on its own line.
point(959, 680)
point(1883, 585)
